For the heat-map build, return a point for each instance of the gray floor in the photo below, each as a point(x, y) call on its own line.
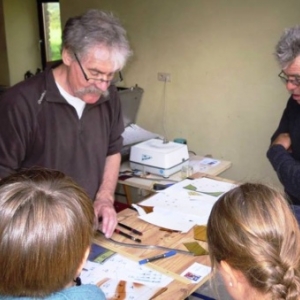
point(214, 289)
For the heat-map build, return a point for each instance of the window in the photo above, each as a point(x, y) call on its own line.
point(50, 31)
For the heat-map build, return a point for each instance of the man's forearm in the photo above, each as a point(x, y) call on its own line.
point(287, 169)
point(103, 204)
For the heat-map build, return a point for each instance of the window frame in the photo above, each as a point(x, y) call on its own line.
point(42, 34)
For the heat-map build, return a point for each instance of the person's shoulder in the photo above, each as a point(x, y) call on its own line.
point(86, 292)
point(29, 89)
point(91, 292)
point(83, 292)
point(292, 108)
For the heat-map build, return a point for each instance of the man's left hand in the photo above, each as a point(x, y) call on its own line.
point(104, 208)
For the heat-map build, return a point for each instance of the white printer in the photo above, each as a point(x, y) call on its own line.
point(158, 157)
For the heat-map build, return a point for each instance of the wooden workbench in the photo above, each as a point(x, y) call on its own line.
point(180, 287)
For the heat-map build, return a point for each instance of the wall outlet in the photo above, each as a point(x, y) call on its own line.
point(161, 76)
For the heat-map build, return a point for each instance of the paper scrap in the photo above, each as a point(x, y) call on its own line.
point(200, 233)
point(204, 164)
point(147, 209)
point(195, 248)
point(196, 272)
point(209, 161)
point(99, 254)
point(194, 190)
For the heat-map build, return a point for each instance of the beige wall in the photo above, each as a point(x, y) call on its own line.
point(224, 97)
point(4, 74)
point(22, 38)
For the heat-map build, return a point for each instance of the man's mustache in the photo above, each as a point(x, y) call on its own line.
point(91, 90)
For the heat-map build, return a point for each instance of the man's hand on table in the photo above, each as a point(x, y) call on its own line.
point(284, 140)
point(103, 207)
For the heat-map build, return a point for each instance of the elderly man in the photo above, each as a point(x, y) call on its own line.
point(69, 116)
point(284, 152)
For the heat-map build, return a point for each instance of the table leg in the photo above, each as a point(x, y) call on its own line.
point(128, 194)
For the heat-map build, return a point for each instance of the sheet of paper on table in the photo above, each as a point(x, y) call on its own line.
point(121, 277)
point(185, 203)
point(122, 268)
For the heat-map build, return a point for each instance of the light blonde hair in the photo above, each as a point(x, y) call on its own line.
point(46, 226)
point(253, 229)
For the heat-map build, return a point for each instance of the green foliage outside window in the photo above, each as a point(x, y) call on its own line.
point(54, 31)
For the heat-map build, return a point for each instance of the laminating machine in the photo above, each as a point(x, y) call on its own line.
point(158, 157)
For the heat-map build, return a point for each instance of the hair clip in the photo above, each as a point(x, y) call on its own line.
point(77, 280)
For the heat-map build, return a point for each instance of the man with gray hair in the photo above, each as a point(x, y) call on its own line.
point(69, 116)
point(284, 152)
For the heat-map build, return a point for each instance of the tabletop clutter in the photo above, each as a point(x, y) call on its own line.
point(180, 208)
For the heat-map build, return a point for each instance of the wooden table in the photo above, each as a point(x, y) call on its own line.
point(146, 183)
point(180, 287)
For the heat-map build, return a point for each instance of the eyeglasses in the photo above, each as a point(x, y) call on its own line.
point(115, 77)
point(285, 79)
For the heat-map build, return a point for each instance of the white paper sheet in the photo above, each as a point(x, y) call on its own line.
point(122, 268)
point(135, 134)
point(180, 205)
point(172, 219)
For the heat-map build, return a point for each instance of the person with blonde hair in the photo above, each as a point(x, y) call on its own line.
point(46, 228)
point(254, 242)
